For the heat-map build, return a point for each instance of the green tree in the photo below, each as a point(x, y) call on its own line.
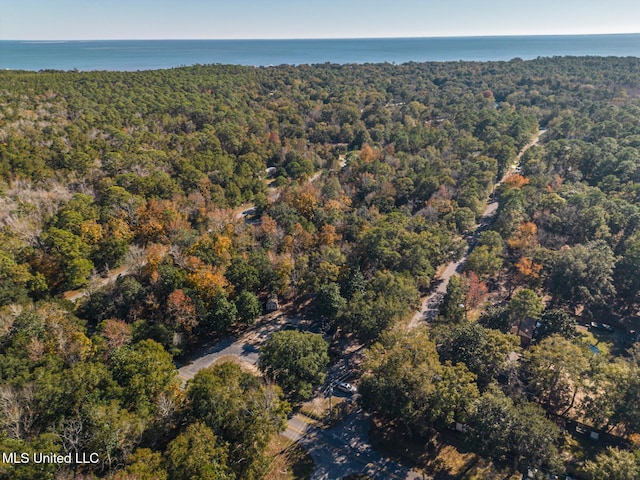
point(627, 272)
point(221, 315)
point(482, 350)
point(519, 435)
point(14, 279)
point(78, 271)
point(113, 431)
point(248, 307)
point(454, 393)
point(483, 260)
point(496, 317)
point(329, 302)
point(143, 464)
point(493, 241)
point(556, 321)
point(70, 253)
point(406, 381)
point(556, 370)
point(387, 299)
point(45, 443)
point(463, 220)
point(241, 411)
point(612, 398)
point(295, 360)
point(453, 307)
point(110, 252)
point(145, 371)
point(525, 303)
point(613, 464)
point(351, 281)
point(195, 455)
point(582, 275)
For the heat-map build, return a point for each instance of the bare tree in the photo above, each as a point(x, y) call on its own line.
point(16, 415)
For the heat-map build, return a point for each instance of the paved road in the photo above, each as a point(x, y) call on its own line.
point(244, 347)
point(345, 450)
point(240, 348)
point(337, 452)
point(431, 303)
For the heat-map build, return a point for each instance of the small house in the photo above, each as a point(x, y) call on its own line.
point(524, 328)
point(272, 304)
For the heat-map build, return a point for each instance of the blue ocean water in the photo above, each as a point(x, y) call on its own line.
point(154, 54)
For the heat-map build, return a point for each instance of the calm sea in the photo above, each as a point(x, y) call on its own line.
point(153, 54)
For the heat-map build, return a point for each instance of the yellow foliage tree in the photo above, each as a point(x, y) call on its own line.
point(524, 239)
point(64, 337)
point(207, 281)
point(119, 229)
point(153, 255)
point(528, 268)
point(367, 154)
point(90, 232)
point(328, 235)
point(283, 267)
point(217, 244)
point(327, 272)
point(222, 248)
point(306, 203)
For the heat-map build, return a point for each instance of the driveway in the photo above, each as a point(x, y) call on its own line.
point(345, 450)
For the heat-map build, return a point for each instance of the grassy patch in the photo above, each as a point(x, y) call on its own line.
point(290, 460)
point(605, 341)
point(319, 410)
point(246, 366)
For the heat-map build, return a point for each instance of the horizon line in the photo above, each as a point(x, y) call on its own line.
point(49, 40)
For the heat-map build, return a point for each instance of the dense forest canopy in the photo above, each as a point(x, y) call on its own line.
point(342, 187)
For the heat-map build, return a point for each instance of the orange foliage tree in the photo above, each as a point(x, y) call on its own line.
point(116, 332)
point(206, 280)
point(528, 268)
point(367, 154)
point(327, 235)
point(306, 201)
point(157, 220)
point(181, 311)
point(476, 291)
point(154, 255)
point(525, 238)
point(516, 181)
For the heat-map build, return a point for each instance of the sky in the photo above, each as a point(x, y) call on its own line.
point(257, 19)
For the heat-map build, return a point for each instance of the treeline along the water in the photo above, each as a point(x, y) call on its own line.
point(154, 54)
point(379, 175)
